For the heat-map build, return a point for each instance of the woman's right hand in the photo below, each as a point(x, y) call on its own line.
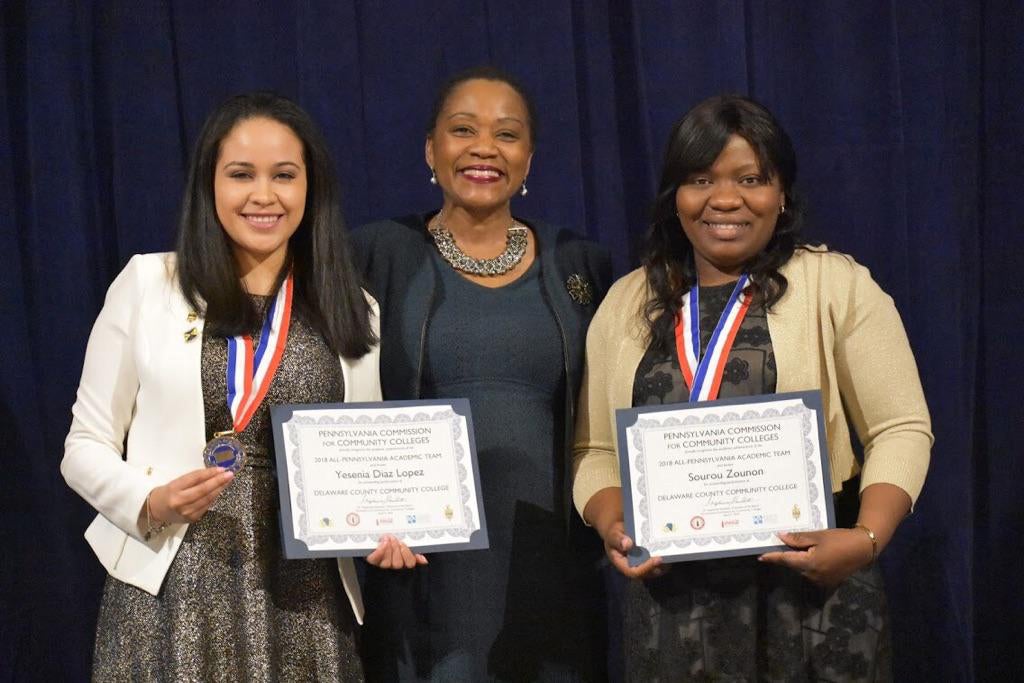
point(604, 513)
point(187, 498)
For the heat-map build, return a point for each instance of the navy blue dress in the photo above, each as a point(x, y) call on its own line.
point(512, 612)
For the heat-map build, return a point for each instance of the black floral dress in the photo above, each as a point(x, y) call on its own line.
point(737, 619)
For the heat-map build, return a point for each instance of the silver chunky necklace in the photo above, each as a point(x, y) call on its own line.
point(515, 248)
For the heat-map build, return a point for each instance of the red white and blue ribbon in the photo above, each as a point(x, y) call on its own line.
point(704, 374)
point(249, 371)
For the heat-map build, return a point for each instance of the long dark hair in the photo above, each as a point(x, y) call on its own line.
point(693, 146)
point(484, 73)
point(327, 292)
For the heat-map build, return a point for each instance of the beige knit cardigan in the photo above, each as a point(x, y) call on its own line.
point(833, 330)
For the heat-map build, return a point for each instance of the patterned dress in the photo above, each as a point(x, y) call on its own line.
point(736, 619)
point(231, 607)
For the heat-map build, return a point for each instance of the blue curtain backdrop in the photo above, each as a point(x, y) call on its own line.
point(907, 118)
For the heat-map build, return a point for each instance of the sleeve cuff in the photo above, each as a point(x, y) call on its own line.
point(905, 468)
point(596, 471)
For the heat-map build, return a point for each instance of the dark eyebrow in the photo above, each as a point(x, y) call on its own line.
point(501, 119)
point(247, 165)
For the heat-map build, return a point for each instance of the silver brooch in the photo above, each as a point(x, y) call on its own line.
point(580, 289)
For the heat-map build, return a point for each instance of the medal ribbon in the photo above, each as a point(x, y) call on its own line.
point(703, 375)
point(249, 373)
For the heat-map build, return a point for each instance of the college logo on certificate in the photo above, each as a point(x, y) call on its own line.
point(349, 473)
point(722, 478)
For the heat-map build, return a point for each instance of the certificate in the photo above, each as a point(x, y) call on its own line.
point(349, 473)
point(722, 478)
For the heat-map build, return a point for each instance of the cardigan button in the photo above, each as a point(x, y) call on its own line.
point(149, 471)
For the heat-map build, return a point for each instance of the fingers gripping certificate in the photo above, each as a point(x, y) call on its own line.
point(721, 478)
point(350, 473)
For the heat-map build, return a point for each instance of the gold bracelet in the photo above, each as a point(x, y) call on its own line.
point(151, 530)
point(874, 540)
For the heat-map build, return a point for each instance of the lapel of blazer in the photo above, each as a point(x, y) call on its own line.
point(177, 343)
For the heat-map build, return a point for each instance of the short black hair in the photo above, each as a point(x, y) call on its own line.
point(484, 73)
point(693, 146)
point(327, 291)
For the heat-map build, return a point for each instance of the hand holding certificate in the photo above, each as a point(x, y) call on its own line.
point(352, 474)
point(723, 478)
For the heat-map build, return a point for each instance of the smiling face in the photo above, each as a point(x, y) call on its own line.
point(480, 148)
point(728, 212)
point(259, 189)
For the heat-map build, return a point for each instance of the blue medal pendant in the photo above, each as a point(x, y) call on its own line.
point(224, 450)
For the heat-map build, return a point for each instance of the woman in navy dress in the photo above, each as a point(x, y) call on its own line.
point(481, 304)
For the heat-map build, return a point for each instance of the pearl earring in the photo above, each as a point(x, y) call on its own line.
point(433, 177)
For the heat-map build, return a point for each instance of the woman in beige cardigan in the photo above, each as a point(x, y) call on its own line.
point(726, 208)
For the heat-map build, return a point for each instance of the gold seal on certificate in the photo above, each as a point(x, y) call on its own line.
point(722, 478)
point(349, 473)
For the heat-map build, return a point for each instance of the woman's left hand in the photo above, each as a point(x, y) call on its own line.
point(825, 557)
point(393, 554)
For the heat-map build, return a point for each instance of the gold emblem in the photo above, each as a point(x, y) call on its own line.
point(448, 512)
point(796, 511)
point(580, 289)
point(191, 334)
point(191, 317)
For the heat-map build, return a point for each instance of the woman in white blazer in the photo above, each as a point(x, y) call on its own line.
point(198, 588)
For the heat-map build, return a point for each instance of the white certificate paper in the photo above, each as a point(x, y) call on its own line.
point(722, 478)
point(349, 473)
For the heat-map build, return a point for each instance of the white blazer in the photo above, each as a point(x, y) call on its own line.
point(138, 421)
